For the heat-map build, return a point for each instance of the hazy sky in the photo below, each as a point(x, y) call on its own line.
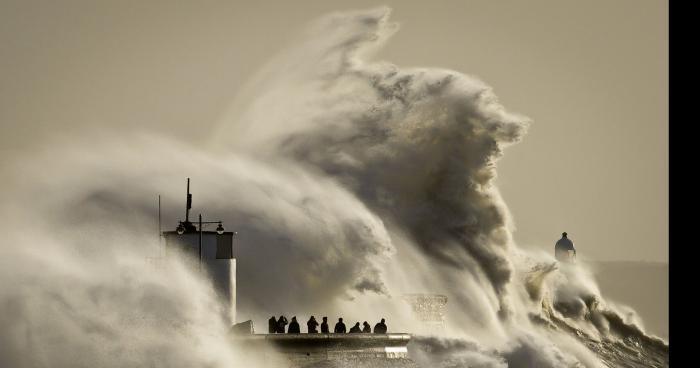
point(593, 75)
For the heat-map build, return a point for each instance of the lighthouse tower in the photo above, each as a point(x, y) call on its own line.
point(564, 249)
point(209, 251)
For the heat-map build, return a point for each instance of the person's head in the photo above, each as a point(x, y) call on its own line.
point(382, 320)
point(281, 317)
point(365, 323)
point(325, 319)
point(312, 317)
point(273, 317)
point(563, 234)
point(294, 318)
point(340, 320)
point(357, 324)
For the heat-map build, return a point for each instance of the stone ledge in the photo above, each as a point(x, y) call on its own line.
point(302, 349)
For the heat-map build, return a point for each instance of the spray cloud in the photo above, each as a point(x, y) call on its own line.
point(350, 183)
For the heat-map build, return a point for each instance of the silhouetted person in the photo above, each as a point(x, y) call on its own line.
point(311, 325)
point(380, 328)
point(356, 328)
point(340, 326)
point(366, 328)
point(324, 325)
point(294, 326)
point(281, 323)
point(272, 325)
point(564, 250)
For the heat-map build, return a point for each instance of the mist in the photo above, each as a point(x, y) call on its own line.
point(350, 182)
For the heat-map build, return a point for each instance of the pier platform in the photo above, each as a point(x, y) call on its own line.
point(335, 350)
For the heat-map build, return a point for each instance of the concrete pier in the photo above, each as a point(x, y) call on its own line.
point(331, 350)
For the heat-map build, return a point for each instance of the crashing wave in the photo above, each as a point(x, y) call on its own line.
point(351, 182)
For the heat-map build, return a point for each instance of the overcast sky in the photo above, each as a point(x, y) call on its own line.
point(593, 75)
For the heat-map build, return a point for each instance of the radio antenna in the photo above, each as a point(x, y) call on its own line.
point(189, 203)
point(160, 229)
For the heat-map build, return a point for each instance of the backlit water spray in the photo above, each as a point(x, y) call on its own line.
point(351, 183)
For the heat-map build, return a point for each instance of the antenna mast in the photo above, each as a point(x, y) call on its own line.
point(187, 226)
point(189, 202)
point(160, 229)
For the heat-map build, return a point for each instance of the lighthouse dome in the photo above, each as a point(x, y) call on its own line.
point(564, 248)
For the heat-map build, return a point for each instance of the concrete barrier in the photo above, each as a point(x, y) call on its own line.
point(308, 350)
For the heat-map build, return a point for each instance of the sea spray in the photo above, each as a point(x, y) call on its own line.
point(351, 182)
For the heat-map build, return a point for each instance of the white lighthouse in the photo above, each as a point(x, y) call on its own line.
point(208, 251)
point(564, 249)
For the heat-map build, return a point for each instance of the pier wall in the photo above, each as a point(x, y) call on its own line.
point(334, 350)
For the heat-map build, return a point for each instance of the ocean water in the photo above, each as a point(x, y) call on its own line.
point(351, 182)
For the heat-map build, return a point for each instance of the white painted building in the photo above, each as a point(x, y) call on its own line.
point(216, 260)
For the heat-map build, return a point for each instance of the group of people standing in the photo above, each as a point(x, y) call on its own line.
point(279, 325)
